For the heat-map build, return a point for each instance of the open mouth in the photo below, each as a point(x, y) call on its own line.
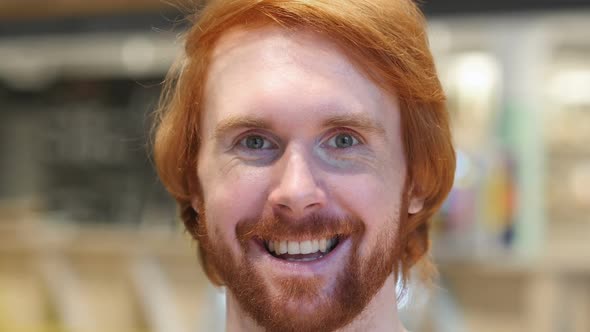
point(302, 251)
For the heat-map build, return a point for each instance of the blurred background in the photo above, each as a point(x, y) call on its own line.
point(89, 240)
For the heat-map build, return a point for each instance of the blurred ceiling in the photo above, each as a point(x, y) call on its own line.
point(450, 7)
point(35, 9)
point(41, 17)
point(18, 10)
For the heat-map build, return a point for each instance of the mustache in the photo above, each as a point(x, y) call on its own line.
point(312, 226)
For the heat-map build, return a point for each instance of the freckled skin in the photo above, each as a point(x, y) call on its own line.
point(294, 81)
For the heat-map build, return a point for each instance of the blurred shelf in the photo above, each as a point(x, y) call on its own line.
point(90, 279)
point(40, 9)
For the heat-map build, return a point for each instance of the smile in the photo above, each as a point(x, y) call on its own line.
point(301, 251)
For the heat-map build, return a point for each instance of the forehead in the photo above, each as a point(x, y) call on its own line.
point(274, 68)
point(275, 48)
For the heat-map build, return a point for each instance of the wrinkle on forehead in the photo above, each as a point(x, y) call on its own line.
point(277, 49)
point(277, 43)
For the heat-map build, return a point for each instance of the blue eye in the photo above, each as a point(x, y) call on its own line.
point(342, 141)
point(255, 142)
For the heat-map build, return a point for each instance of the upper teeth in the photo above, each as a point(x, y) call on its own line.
point(303, 247)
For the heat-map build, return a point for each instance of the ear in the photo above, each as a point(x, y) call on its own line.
point(195, 191)
point(197, 204)
point(416, 203)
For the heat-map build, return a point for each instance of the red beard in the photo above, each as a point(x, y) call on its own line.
point(300, 304)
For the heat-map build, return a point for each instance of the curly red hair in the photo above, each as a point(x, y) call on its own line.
point(386, 39)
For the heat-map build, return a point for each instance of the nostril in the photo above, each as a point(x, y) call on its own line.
point(313, 205)
point(284, 207)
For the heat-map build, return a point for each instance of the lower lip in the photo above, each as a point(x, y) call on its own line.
point(304, 268)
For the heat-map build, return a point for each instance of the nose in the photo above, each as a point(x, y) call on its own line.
point(297, 192)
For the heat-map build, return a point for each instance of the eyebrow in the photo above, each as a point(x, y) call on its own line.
point(356, 121)
point(235, 122)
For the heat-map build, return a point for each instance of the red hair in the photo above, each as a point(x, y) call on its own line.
point(385, 39)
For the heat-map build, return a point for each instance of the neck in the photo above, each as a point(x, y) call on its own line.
point(380, 315)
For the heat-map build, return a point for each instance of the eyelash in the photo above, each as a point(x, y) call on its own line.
point(243, 144)
point(336, 132)
point(239, 143)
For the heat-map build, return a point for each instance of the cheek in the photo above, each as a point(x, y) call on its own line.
point(232, 195)
point(377, 200)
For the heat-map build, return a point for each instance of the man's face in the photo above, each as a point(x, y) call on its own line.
point(303, 174)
